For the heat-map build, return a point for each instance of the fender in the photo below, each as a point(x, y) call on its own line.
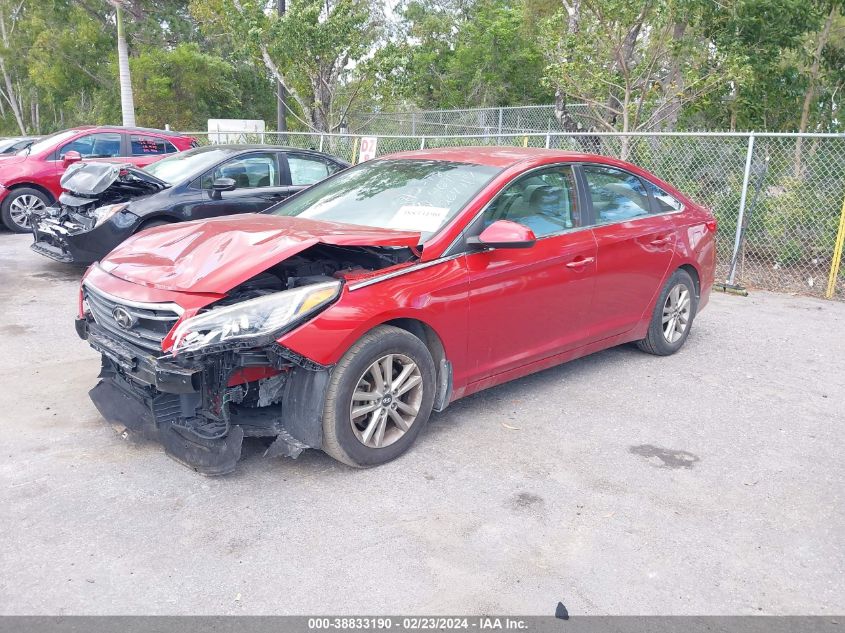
point(443, 306)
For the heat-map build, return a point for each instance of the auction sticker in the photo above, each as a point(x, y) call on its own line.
point(416, 217)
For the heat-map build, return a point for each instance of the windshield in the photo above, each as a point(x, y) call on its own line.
point(185, 165)
point(407, 195)
point(48, 142)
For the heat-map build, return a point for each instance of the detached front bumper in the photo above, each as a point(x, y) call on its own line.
point(66, 241)
point(192, 407)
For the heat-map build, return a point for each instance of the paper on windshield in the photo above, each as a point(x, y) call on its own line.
point(417, 217)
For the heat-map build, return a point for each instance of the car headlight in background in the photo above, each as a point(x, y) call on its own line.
point(101, 214)
point(255, 317)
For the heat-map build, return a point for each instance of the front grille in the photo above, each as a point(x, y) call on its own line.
point(150, 322)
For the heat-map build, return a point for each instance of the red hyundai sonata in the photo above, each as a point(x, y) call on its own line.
point(341, 318)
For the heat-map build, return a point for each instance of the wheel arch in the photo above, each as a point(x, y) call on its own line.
point(428, 335)
point(688, 267)
point(159, 216)
point(692, 271)
point(37, 187)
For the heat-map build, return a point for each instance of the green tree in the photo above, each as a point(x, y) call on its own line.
point(476, 54)
point(635, 65)
point(183, 87)
point(312, 50)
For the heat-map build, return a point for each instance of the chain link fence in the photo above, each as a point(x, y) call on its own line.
point(778, 197)
point(485, 121)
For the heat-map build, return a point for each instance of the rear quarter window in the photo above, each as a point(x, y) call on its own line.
point(665, 201)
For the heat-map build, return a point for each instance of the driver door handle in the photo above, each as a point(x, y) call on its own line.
point(580, 262)
point(660, 241)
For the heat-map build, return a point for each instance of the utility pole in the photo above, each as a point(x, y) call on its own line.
point(281, 97)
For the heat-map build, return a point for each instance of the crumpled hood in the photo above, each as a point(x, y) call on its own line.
point(213, 256)
point(109, 179)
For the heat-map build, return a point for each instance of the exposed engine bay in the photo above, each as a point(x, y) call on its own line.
point(91, 186)
point(322, 262)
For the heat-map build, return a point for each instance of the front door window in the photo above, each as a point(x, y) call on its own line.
point(544, 201)
point(99, 145)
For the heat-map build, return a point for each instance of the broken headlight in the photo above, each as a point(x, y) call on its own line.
point(101, 214)
point(255, 317)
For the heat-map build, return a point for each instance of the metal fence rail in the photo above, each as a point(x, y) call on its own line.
point(778, 197)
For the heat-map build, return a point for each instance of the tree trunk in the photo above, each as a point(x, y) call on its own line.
point(811, 88)
point(11, 98)
point(10, 95)
point(674, 83)
point(281, 104)
point(625, 141)
point(127, 101)
point(562, 114)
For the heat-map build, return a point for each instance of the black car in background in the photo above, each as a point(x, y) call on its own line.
point(104, 203)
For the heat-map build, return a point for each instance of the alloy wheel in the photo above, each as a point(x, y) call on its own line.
point(386, 400)
point(676, 313)
point(22, 206)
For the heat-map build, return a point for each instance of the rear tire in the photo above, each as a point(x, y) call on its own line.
point(18, 203)
point(388, 378)
point(673, 316)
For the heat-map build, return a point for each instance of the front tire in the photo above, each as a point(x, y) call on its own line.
point(19, 204)
point(673, 316)
point(379, 398)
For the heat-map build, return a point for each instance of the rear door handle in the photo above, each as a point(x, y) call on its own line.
point(580, 262)
point(660, 241)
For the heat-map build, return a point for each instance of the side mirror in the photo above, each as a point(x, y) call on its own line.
point(220, 185)
point(505, 234)
point(70, 158)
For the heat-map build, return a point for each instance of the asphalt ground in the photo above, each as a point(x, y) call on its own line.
point(709, 482)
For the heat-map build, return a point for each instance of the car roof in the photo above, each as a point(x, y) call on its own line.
point(492, 156)
point(245, 147)
point(127, 129)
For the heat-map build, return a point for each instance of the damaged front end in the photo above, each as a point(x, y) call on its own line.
point(196, 406)
point(91, 215)
point(223, 375)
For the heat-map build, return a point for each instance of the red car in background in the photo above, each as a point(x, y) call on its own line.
point(341, 318)
point(29, 180)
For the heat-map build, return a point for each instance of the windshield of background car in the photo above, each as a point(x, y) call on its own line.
point(407, 195)
point(184, 165)
point(48, 142)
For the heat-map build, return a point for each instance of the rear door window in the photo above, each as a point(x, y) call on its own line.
point(142, 145)
point(306, 170)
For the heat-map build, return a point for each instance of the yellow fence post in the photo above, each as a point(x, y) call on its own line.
point(525, 141)
point(355, 152)
point(837, 255)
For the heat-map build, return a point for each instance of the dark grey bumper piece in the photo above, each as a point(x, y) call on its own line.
point(205, 456)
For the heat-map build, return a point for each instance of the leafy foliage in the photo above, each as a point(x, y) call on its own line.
point(649, 65)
